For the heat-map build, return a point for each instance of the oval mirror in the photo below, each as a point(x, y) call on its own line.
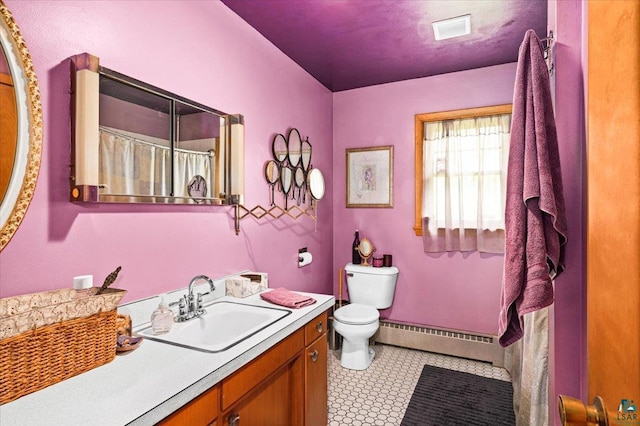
point(315, 184)
point(272, 173)
point(279, 148)
point(299, 181)
point(294, 145)
point(366, 250)
point(21, 124)
point(286, 180)
point(305, 160)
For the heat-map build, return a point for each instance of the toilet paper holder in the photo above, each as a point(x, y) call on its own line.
point(304, 257)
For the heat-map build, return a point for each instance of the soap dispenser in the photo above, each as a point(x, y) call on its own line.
point(161, 318)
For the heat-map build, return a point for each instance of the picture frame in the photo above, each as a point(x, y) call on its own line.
point(370, 177)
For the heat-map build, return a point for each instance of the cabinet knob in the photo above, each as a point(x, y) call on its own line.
point(319, 327)
point(234, 419)
point(314, 355)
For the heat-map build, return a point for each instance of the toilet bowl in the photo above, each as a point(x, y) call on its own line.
point(356, 323)
point(369, 289)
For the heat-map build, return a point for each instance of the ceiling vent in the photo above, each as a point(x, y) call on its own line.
point(452, 27)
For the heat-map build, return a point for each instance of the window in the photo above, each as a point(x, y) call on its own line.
point(460, 176)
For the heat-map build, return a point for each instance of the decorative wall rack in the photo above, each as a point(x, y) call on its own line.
point(289, 171)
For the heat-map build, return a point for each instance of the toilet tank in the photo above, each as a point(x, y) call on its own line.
point(371, 286)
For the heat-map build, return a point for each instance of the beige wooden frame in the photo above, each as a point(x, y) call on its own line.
point(420, 119)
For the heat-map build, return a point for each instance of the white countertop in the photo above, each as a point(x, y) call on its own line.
point(143, 386)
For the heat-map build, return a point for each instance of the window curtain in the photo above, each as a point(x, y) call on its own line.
point(464, 181)
point(130, 167)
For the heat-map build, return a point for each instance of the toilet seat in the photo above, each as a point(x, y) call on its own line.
point(357, 314)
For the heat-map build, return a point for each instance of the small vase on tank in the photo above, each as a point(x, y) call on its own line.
point(355, 254)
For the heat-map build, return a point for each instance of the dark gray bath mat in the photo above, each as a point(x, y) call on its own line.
point(446, 397)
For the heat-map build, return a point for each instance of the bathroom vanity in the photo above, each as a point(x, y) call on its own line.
point(279, 373)
point(287, 385)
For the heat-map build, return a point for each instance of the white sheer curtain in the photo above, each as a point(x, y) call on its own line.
point(130, 167)
point(464, 181)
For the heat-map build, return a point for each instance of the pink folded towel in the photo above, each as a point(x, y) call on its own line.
point(283, 297)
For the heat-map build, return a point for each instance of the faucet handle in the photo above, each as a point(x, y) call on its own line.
point(182, 305)
point(179, 303)
point(199, 301)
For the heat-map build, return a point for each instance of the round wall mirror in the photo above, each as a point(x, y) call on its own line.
point(315, 184)
point(294, 146)
point(305, 160)
point(279, 148)
point(366, 250)
point(21, 124)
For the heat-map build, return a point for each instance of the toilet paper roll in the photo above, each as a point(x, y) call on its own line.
point(304, 259)
point(83, 281)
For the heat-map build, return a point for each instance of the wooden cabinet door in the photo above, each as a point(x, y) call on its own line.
point(315, 366)
point(276, 401)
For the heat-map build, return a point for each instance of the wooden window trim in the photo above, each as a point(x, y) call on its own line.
point(420, 119)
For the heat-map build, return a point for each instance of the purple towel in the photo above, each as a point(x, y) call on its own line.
point(535, 218)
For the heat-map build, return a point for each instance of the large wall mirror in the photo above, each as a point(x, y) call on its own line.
point(20, 127)
point(136, 143)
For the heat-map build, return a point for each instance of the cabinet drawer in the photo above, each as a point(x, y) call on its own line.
point(201, 411)
point(315, 328)
point(245, 379)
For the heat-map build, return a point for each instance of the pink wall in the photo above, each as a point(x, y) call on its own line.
point(456, 290)
point(203, 52)
point(567, 365)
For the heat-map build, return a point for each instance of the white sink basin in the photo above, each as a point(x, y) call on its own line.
point(224, 325)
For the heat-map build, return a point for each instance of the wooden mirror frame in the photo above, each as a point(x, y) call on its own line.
point(29, 134)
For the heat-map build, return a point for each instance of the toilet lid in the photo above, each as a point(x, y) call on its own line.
point(357, 314)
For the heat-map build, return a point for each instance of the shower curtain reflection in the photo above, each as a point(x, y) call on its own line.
point(132, 166)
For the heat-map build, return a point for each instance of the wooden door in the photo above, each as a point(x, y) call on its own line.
point(9, 132)
point(613, 215)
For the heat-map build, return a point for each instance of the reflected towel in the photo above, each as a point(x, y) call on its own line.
point(283, 297)
point(535, 217)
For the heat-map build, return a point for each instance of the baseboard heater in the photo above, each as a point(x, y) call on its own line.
point(479, 347)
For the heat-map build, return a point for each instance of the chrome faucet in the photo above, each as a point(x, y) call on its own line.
point(191, 307)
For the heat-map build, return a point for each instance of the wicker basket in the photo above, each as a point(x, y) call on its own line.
point(47, 354)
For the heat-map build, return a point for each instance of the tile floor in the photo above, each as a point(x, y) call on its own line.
point(380, 394)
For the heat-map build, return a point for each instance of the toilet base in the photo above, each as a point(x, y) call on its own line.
point(356, 357)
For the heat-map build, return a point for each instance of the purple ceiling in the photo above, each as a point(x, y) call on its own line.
point(347, 44)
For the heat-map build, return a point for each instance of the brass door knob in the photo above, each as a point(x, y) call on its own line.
point(574, 412)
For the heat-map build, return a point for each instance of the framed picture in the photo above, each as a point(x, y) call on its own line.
point(370, 177)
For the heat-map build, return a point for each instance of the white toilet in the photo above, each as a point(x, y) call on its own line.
point(370, 289)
